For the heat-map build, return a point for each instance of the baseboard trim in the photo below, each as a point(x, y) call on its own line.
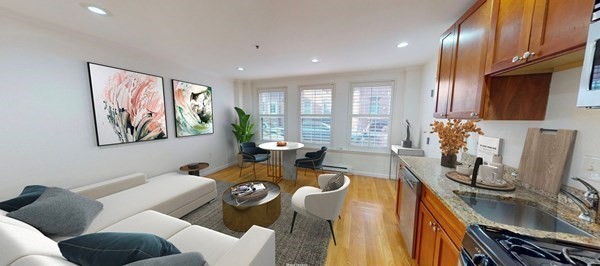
point(371, 174)
point(215, 169)
point(352, 172)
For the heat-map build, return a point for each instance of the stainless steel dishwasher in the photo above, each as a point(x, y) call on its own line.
point(409, 206)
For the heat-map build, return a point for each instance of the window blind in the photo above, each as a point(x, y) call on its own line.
point(371, 114)
point(271, 105)
point(315, 114)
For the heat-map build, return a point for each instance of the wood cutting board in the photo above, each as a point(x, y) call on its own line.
point(545, 157)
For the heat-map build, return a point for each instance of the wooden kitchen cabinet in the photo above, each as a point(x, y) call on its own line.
point(439, 232)
point(446, 253)
point(445, 73)
point(476, 75)
point(425, 237)
point(434, 245)
point(462, 64)
point(528, 31)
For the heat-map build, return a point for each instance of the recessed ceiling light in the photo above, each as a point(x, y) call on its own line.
point(241, 69)
point(402, 44)
point(315, 60)
point(96, 9)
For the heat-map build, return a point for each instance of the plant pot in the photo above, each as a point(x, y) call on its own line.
point(449, 160)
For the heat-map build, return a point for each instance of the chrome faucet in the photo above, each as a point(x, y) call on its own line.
point(588, 213)
point(591, 195)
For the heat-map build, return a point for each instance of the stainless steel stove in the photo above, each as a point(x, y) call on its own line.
point(490, 246)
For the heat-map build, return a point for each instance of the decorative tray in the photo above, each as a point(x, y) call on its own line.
point(281, 143)
point(503, 185)
point(249, 191)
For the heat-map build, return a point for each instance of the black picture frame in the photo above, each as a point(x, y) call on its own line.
point(193, 111)
point(128, 106)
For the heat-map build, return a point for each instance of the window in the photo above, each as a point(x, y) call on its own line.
point(271, 106)
point(315, 114)
point(371, 114)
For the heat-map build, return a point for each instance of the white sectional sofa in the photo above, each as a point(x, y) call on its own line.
point(135, 204)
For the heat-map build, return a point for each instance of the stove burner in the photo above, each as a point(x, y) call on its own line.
point(528, 253)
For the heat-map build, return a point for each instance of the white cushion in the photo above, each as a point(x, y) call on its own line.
point(35, 260)
point(211, 244)
point(111, 186)
point(164, 194)
point(3, 213)
point(149, 222)
point(7, 220)
point(17, 242)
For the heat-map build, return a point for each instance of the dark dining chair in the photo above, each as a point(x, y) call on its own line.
point(312, 160)
point(252, 153)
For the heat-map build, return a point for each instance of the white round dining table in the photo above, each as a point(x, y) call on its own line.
point(281, 164)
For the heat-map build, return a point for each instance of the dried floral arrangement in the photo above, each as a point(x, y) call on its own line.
point(454, 133)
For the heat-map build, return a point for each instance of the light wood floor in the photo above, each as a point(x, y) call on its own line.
point(368, 232)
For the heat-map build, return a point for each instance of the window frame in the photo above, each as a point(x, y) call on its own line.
point(330, 116)
point(351, 115)
point(260, 116)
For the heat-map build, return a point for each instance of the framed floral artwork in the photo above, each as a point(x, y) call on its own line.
point(193, 109)
point(128, 106)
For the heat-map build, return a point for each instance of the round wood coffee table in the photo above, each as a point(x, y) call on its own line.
point(240, 215)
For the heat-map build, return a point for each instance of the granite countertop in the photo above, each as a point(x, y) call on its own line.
point(432, 175)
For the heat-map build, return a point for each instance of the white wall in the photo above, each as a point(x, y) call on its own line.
point(48, 133)
point(560, 114)
point(372, 163)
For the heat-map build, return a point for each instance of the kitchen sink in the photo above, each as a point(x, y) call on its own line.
point(523, 214)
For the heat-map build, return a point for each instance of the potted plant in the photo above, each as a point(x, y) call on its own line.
point(453, 137)
point(243, 130)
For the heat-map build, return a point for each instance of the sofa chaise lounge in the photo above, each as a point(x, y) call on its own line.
point(136, 204)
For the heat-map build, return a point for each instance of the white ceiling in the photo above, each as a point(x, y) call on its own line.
point(218, 36)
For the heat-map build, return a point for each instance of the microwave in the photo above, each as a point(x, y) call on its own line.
point(589, 86)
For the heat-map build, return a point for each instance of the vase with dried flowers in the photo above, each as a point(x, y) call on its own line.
point(453, 137)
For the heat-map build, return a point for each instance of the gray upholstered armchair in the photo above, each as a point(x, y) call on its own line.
point(252, 153)
point(312, 160)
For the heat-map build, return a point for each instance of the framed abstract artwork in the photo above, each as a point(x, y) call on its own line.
point(128, 106)
point(193, 109)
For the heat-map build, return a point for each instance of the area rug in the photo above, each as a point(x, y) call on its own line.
point(307, 245)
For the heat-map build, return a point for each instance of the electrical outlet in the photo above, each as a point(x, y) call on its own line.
point(591, 165)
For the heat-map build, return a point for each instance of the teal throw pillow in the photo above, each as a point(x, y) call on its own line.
point(27, 196)
point(106, 249)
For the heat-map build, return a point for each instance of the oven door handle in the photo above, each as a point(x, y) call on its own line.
point(477, 260)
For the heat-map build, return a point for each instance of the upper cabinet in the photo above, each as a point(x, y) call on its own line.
point(445, 73)
point(496, 61)
point(470, 62)
point(462, 64)
point(524, 32)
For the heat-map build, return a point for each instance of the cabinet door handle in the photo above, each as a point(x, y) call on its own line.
point(430, 223)
point(516, 59)
point(528, 54)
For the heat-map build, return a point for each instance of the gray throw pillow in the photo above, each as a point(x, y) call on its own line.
point(59, 212)
point(335, 182)
point(183, 259)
